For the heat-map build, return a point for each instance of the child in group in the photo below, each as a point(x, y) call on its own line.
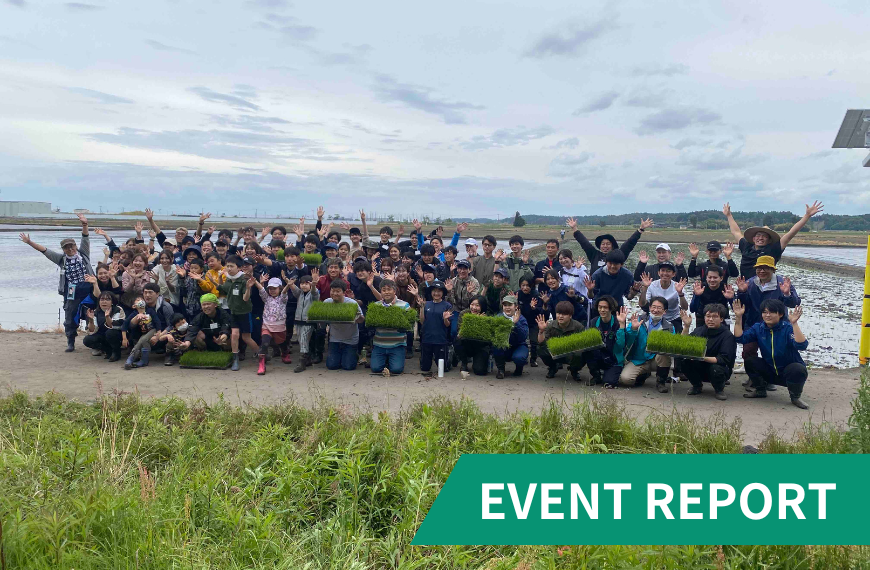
point(306, 294)
point(140, 325)
point(435, 323)
point(193, 286)
point(389, 344)
point(176, 345)
point(216, 276)
point(274, 318)
point(343, 337)
point(237, 291)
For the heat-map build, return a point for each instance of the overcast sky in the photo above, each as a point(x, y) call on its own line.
point(456, 108)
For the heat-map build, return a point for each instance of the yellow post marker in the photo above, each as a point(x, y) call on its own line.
point(864, 347)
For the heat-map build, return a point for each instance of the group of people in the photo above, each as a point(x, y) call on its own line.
point(240, 291)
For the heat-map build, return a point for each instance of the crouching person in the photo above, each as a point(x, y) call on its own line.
point(210, 329)
point(389, 344)
point(343, 337)
point(721, 351)
point(780, 340)
point(104, 327)
point(174, 337)
point(640, 363)
point(476, 351)
point(563, 325)
point(606, 363)
point(517, 350)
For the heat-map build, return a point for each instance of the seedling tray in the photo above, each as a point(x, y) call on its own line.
point(673, 355)
point(587, 349)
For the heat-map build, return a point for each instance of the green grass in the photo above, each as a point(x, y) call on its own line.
point(392, 317)
point(578, 341)
point(337, 312)
point(663, 341)
point(210, 359)
point(129, 483)
point(496, 330)
point(312, 259)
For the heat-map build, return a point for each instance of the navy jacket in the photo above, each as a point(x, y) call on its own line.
point(777, 344)
point(618, 285)
point(754, 296)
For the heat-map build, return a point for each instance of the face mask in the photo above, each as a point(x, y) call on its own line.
point(139, 304)
point(656, 319)
point(183, 328)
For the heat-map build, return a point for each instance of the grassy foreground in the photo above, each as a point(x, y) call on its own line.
point(129, 483)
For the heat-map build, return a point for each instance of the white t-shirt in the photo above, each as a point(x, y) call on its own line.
point(673, 298)
point(346, 333)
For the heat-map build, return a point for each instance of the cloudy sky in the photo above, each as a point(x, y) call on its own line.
point(469, 108)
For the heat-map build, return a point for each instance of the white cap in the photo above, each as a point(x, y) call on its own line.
point(663, 246)
point(471, 241)
point(274, 282)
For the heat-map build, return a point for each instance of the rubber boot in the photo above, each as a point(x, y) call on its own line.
point(169, 359)
point(70, 343)
point(757, 393)
point(235, 366)
point(285, 355)
point(533, 357)
point(143, 358)
point(261, 368)
point(662, 379)
point(129, 364)
point(500, 374)
point(304, 362)
point(795, 394)
point(116, 355)
point(551, 371)
point(518, 371)
point(463, 365)
point(694, 391)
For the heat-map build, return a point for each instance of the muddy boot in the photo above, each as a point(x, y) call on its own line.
point(70, 343)
point(463, 366)
point(662, 380)
point(795, 393)
point(694, 391)
point(129, 364)
point(641, 379)
point(551, 371)
point(720, 395)
point(235, 366)
point(143, 358)
point(169, 359)
point(757, 393)
point(116, 355)
point(261, 367)
point(304, 362)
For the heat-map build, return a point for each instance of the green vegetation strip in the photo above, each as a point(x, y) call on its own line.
point(337, 312)
point(587, 339)
point(312, 259)
point(496, 330)
point(205, 359)
point(681, 345)
point(124, 482)
point(390, 317)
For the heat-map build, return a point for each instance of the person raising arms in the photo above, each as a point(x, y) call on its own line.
point(606, 243)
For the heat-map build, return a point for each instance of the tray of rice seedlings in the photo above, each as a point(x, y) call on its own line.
point(206, 360)
point(321, 312)
point(392, 317)
point(683, 346)
point(590, 339)
point(312, 259)
point(496, 330)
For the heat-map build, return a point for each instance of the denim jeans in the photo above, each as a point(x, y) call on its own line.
point(342, 356)
point(391, 358)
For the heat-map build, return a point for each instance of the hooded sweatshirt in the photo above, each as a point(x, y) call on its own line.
point(720, 343)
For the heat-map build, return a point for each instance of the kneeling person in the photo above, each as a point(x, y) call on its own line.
point(721, 350)
point(388, 349)
point(174, 337)
point(563, 325)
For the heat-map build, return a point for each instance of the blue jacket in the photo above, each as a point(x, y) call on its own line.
point(777, 344)
point(520, 332)
point(635, 340)
point(754, 296)
point(561, 294)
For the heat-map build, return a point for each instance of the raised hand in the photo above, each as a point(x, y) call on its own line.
point(447, 315)
point(90, 279)
point(541, 321)
point(571, 223)
point(795, 314)
point(149, 214)
point(90, 314)
point(264, 233)
point(461, 227)
point(413, 289)
point(82, 219)
point(621, 316)
point(726, 209)
point(646, 280)
point(299, 229)
point(545, 297)
point(100, 232)
point(139, 227)
point(401, 231)
point(417, 225)
point(152, 234)
point(439, 231)
point(686, 318)
point(635, 321)
point(362, 215)
point(647, 223)
point(315, 274)
point(320, 212)
point(680, 285)
point(106, 251)
point(344, 225)
point(694, 250)
point(470, 287)
point(589, 283)
point(643, 257)
point(698, 288)
point(739, 309)
point(534, 303)
point(516, 316)
point(371, 279)
point(500, 255)
point(742, 285)
point(420, 271)
point(681, 257)
point(525, 255)
point(448, 285)
point(814, 209)
point(251, 282)
point(376, 256)
point(345, 271)
point(728, 292)
point(785, 287)
point(264, 278)
point(581, 261)
point(728, 249)
point(180, 272)
point(203, 217)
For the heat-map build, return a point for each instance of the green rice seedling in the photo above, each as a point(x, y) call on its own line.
point(337, 312)
point(680, 345)
point(312, 259)
point(390, 317)
point(205, 359)
point(588, 339)
point(496, 330)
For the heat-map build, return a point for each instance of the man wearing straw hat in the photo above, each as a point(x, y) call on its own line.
point(761, 240)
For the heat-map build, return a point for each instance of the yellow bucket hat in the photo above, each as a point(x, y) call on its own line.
point(766, 261)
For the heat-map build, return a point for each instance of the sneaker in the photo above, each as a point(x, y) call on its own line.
point(694, 391)
point(534, 363)
point(96, 352)
point(771, 388)
point(169, 359)
point(500, 374)
point(720, 396)
point(610, 386)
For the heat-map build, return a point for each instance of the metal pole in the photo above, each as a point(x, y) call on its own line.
point(864, 347)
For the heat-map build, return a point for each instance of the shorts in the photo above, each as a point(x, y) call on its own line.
point(277, 337)
point(243, 322)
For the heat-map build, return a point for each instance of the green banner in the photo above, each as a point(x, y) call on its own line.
point(652, 499)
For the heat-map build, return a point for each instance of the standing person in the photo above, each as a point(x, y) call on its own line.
point(435, 324)
point(762, 241)
point(666, 288)
point(462, 288)
point(274, 327)
point(714, 291)
point(306, 293)
point(470, 249)
point(343, 337)
point(714, 248)
point(470, 349)
point(551, 261)
point(606, 363)
point(663, 254)
point(517, 263)
point(613, 279)
point(517, 350)
point(557, 293)
point(573, 274)
point(237, 289)
point(780, 339)
point(497, 290)
point(640, 363)
point(167, 279)
point(563, 325)
point(721, 351)
point(483, 266)
point(606, 243)
point(104, 327)
point(389, 344)
point(530, 306)
point(75, 264)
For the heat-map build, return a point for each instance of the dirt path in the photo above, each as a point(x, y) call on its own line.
point(36, 363)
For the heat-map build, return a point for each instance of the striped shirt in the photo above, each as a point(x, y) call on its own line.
point(391, 338)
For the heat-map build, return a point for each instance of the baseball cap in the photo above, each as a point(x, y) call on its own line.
point(274, 282)
point(501, 271)
point(354, 232)
point(471, 241)
point(427, 268)
point(463, 263)
point(663, 246)
point(66, 242)
point(170, 241)
point(668, 265)
point(248, 261)
point(714, 246)
point(509, 299)
point(331, 245)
